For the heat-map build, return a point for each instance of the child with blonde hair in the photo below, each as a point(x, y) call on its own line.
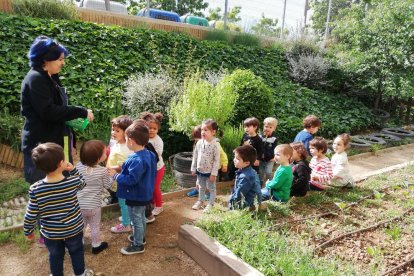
point(341, 175)
point(206, 162)
point(96, 177)
point(269, 144)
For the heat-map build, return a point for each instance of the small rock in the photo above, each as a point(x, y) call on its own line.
point(358, 243)
point(11, 203)
point(22, 200)
point(16, 202)
point(5, 204)
point(8, 222)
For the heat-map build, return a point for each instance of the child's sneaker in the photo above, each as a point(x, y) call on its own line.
point(88, 272)
point(197, 205)
point(119, 228)
point(41, 242)
point(208, 208)
point(131, 239)
point(150, 219)
point(133, 249)
point(193, 193)
point(100, 248)
point(157, 211)
point(120, 219)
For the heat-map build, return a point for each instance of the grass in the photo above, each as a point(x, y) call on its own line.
point(13, 188)
point(16, 237)
point(168, 183)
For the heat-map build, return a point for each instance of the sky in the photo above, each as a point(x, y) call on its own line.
point(252, 11)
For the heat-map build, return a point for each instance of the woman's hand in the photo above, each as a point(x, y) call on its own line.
point(90, 115)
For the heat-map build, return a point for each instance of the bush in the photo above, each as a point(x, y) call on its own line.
point(55, 9)
point(231, 138)
point(218, 35)
point(309, 70)
point(246, 39)
point(255, 97)
point(302, 47)
point(150, 92)
point(10, 128)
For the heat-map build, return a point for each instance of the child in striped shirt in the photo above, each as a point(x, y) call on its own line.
point(53, 201)
point(320, 164)
point(96, 177)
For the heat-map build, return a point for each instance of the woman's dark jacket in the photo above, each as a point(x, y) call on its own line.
point(45, 108)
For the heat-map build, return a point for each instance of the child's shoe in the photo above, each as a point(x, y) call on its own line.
point(41, 242)
point(120, 219)
point(119, 228)
point(131, 239)
point(157, 211)
point(193, 193)
point(133, 249)
point(88, 272)
point(150, 219)
point(208, 208)
point(100, 248)
point(197, 205)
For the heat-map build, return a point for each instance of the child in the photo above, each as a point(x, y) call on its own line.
point(269, 143)
point(119, 152)
point(278, 188)
point(154, 124)
point(196, 135)
point(96, 177)
point(311, 125)
point(53, 201)
point(206, 162)
point(320, 164)
point(247, 184)
point(340, 166)
point(136, 183)
point(251, 126)
point(301, 170)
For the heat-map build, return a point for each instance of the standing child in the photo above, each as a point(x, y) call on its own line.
point(340, 165)
point(278, 188)
point(154, 124)
point(196, 135)
point(311, 125)
point(119, 152)
point(136, 183)
point(53, 201)
point(301, 170)
point(96, 177)
point(320, 164)
point(269, 144)
point(250, 137)
point(247, 185)
point(206, 162)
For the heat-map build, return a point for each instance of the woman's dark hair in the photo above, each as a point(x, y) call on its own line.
point(91, 151)
point(44, 49)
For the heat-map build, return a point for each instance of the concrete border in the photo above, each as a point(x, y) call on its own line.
point(211, 255)
point(365, 154)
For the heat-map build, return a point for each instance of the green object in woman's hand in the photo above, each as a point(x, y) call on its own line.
point(78, 124)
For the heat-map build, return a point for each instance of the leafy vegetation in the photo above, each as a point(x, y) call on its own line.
point(54, 9)
point(10, 128)
point(13, 188)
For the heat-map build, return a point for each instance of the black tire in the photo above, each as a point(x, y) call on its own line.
point(360, 144)
point(372, 140)
point(389, 138)
point(185, 180)
point(182, 162)
point(400, 132)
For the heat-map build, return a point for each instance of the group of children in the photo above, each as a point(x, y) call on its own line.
point(254, 161)
point(70, 197)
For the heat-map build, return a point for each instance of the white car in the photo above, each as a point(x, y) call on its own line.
point(100, 6)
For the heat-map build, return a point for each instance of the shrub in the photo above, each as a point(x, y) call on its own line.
point(201, 100)
point(302, 47)
point(309, 70)
point(218, 35)
point(57, 9)
point(231, 138)
point(10, 128)
point(255, 97)
point(246, 39)
point(150, 92)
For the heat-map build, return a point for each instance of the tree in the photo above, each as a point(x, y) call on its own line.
point(194, 7)
point(320, 13)
point(233, 15)
point(266, 26)
point(214, 14)
point(378, 46)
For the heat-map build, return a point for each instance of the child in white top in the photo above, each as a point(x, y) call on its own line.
point(119, 152)
point(96, 177)
point(341, 174)
point(154, 125)
point(206, 162)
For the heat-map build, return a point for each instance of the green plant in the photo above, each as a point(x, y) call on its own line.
point(20, 240)
point(13, 188)
point(231, 138)
point(5, 237)
point(374, 148)
point(10, 128)
point(168, 182)
point(218, 35)
point(278, 209)
point(199, 101)
point(246, 39)
point(53, 9)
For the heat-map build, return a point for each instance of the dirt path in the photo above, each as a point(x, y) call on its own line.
point(162, 255)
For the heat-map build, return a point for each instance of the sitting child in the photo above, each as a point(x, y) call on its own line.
point(301, 170)
point(311, 125)
point(247, 185)
point(340, 165)
point(320, 165)
point(278, 188)
point(96, 177)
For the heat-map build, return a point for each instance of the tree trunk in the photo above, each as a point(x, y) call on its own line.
point(408, 112)
point(379, 92)
point(107, 5)
point(400, 111)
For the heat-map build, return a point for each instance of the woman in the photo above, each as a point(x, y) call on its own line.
point(44, 103)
